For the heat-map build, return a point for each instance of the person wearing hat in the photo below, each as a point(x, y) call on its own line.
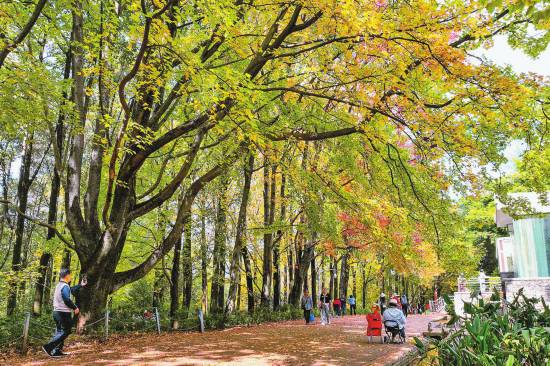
point(395, 314)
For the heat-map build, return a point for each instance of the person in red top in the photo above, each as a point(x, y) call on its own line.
point(397, 298)
point(336, 304)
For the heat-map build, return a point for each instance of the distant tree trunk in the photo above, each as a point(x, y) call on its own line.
point(187, 267)
point(234, 271)
point(23, 188)
point(48, 284)
point(290, 259)
point(175, 286)
point(249, 280)
point(313, 278)
point(39, 291)
point(336, 288)
point(269, 198)
point(66, 261)
point(277, 245)
point(220, 235)
point(4, 219)
point(238, 305)
point(304, 262)
point(331, 278)
point(363, 287)
point(344, 274)
point(305, 278)
point(204, 264)
point(353, 275)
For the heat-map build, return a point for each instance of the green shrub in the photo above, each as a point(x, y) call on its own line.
point(491, 337)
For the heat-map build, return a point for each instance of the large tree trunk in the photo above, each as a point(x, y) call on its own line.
point(304, 262)
point(175, 286)
point(187, 268)
point(23, 188)
point(234, 271)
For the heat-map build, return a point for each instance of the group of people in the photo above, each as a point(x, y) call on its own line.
point(325, 303)
point(396, 311)
point(401, 301)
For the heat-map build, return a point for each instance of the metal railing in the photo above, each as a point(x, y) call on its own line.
point(481, 284)
point(37, 332)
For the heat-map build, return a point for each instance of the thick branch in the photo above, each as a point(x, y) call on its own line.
point(10, 46)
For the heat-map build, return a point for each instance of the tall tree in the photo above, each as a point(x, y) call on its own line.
point(277, 243)
point(240, 241)
point(23, 188)
point(217, 291)
point(187, 267)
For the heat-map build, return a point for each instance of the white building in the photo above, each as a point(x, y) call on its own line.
point(524, 256)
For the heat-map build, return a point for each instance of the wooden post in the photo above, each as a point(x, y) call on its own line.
point(106, 323)
point(157, 319)
point(26, 326)
point(201, 321)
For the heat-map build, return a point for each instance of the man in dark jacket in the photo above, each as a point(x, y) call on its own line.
point(63, 307)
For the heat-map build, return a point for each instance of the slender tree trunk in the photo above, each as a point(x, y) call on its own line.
point(277, 245)
point(267, 275)
point(39, 291)
point(353, 275)
point(336, 288)
point(234, 271)
point(331, 280)
point(187, 267)
point(363, 287)
point(204, 264)
point(48, 284)
point(218, 278)
point(313, 278)
point(23, 188)
point(175, 286)
point(66, 261)
point(249, 280)
point(344, 274)
point(290, 260)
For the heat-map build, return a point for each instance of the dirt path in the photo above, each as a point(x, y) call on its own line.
point(286, 343)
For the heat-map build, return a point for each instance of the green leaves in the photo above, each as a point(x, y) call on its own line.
point(489, 337)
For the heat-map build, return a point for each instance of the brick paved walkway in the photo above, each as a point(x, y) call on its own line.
point(286, 343)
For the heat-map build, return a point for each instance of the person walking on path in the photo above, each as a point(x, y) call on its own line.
point(405, 304)
point(63, 307)
point(336, 305)
point(307, 305)
point(343, 304)
point(351, 302)
point(324, 304)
